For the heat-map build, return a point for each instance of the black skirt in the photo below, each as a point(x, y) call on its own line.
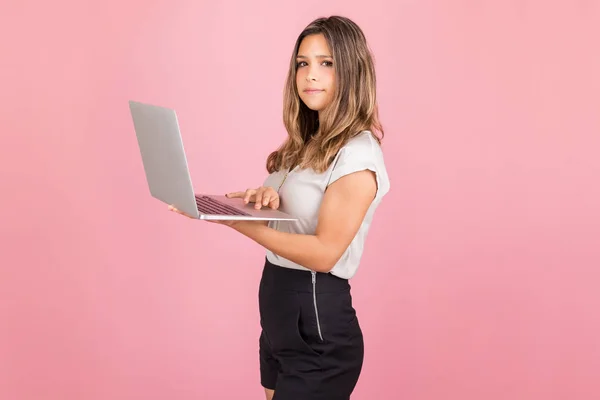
point(311, 344)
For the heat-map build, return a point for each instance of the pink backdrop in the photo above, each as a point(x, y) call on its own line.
point(480, 278)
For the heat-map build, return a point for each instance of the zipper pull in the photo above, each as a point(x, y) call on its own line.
point(313, 273)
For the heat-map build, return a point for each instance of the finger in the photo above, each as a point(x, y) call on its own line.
point(234, 195)
point(273, 198)
point(259, 198)
point(258, 205)
point(267, 197)
point(172, 208)
point(248, 195)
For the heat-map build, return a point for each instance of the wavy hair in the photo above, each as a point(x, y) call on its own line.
point(314, 143)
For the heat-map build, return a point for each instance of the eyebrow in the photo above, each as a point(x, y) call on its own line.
point(319, 56)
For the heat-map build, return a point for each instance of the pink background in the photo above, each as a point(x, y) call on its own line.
point(480, 277)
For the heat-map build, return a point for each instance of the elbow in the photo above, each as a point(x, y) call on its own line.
point(326, 263)
point(324, 268)
point(326, 257)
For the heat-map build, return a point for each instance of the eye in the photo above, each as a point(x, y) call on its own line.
point(300, 64)
point(328, 63)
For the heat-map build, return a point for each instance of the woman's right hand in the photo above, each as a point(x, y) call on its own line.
point(262, 196)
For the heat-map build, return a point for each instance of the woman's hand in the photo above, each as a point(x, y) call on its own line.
point(228, 222)
point(172, 208)
point(263, 196)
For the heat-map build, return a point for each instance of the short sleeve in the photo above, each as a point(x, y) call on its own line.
point(362, 153)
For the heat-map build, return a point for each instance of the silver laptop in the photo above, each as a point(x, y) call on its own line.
point(168, 176)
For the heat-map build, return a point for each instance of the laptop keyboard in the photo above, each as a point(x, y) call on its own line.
point(207, 205)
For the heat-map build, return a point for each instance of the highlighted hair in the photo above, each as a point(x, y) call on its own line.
point(314, 143)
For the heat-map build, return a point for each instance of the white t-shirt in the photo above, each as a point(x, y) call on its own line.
point(303, 190)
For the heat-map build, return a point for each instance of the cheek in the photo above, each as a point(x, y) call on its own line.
point(331, 84)
point(331, 80)
point(299, 77)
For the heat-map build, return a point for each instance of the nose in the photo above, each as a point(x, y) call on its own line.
point(311, 76)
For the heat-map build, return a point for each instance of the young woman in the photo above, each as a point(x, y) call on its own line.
point(329, 173)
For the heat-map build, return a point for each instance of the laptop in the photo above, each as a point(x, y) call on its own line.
point(168, 176)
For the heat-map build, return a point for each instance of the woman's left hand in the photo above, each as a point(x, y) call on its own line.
point(220, 222)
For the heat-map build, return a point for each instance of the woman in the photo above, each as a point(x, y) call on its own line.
point(330, 174)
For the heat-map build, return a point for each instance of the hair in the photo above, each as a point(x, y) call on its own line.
point(314, 143)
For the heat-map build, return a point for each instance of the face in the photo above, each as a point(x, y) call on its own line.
point(315, 76)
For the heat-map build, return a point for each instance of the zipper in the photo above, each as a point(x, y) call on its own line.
point(314, 287)
point(283, 181)
point(285, 177)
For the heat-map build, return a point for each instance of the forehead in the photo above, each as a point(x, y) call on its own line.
point(314, 45)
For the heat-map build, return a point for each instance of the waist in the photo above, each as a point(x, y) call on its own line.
point(278, 278)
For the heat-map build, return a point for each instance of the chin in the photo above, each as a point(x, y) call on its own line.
point(313, 106)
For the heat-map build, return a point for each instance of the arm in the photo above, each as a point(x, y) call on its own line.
point(342, 211)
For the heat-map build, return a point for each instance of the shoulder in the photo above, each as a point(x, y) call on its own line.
point(359, 153)
point(362, 147)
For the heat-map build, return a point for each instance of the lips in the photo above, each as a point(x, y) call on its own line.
point(312, 91)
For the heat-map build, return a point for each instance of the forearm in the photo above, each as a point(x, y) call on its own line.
point(305, 250)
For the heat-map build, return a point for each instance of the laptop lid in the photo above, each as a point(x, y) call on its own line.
point(163, 156)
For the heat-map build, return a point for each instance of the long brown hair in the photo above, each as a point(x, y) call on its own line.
point(314, 143)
